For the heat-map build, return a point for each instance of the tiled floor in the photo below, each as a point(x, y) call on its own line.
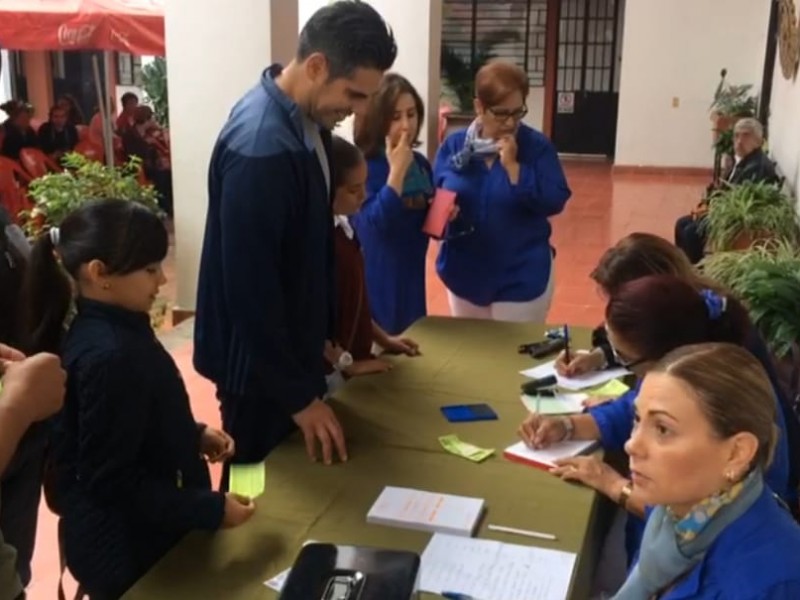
point(603, 208)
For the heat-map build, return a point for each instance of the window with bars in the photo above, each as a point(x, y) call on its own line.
point(474, 31)
point(586, 46)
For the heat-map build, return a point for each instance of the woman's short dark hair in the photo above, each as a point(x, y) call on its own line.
point(125, 236)
point(344, 158)
point(371, 128)
point(658, 313)
point(351, 34)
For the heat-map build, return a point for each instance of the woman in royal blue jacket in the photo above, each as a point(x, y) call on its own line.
point(399, 189)
point(508, 182)
point(704, 435)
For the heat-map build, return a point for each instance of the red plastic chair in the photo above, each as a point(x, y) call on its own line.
point(13, 195)
point(37, 163)
point(444, 111)
point(90, 150)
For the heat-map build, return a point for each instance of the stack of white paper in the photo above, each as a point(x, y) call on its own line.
point(546, 458)
point(426, 511)
point(581, 382)
point(490, 570)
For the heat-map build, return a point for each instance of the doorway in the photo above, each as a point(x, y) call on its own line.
point(586, 91)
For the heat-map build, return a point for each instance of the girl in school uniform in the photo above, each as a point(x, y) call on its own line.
point(704, 435)
point(508, 182)
point(399, 189)
point(128, 477)
point(356, 329)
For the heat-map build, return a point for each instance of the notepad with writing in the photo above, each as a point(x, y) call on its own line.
point(426, 511)
point(439, 213)
point(546, 457)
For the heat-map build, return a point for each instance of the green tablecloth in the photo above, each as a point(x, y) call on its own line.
point(392, 422)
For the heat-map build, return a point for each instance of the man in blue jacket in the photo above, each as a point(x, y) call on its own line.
point(265, 292)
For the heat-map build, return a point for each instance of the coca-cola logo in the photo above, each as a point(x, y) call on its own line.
point(75, 35)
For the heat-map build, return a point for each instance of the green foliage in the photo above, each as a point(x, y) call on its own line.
point(57, 194)
point(754, 209)
point(733, 100)
point(459, 72)
point(724, 143)
point(154, 80)
point(767, 279)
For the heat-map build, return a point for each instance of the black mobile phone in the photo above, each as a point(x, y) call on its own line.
point(543, 348)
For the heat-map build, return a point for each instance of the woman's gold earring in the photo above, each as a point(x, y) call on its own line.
point(106, 286)
point(730, 476)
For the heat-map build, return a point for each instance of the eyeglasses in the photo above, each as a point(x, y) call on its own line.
point(452, 233)
point(504, 115)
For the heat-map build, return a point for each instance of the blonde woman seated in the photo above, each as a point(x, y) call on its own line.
point(704, 435)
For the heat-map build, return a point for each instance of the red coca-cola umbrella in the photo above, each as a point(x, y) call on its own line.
point(135, 26)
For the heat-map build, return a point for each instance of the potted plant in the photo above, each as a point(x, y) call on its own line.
point(55, 195)
point(731, 103)
point(766, 278)
point(741, 215)
point(154, 81)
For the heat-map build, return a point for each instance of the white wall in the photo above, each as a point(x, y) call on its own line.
point(5, 78)
point(216, 50)
point(676, 49)
point(784, 127)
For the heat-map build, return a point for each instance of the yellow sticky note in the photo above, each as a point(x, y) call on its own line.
point(611, 388)
point(247, 480)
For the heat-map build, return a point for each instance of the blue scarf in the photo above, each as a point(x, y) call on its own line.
point(474, 147)
point(672, 547)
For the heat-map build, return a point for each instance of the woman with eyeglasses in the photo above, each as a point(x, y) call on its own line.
point(508, 182)
point(399, 190)
point(645, 319)
point(704, 436)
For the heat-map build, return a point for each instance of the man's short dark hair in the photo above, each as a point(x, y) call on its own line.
point(351, 34)
point(128, 96)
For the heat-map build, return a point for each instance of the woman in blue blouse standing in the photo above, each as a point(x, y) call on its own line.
point(508, 182)
point(399, 189)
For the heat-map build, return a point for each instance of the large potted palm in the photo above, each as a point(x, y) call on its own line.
point(742, 215)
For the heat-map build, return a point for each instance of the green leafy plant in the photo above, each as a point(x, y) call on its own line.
point(766, 278)
point(459, 71)
point(749, 210)
point(154, 81)
point(724, 143)
point(733, 100)
point(55, 195)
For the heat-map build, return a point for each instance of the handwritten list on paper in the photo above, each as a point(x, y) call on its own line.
point(491, 570)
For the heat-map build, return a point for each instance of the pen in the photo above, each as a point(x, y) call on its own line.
point(566, 343)
point(455, 596)
point(533, 534)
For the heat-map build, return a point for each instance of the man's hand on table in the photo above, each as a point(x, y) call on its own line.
point(318, 423)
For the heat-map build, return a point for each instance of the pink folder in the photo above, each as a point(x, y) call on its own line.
point(439, 213)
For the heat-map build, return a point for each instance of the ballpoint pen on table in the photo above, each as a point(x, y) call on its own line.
point(566, 343)
point(455, 596)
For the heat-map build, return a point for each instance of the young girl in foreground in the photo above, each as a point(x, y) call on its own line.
point(128, 474)
point(356, 331)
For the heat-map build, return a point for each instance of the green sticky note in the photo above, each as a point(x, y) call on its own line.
point(613, 388)
point(453, 445)
point(247, 480)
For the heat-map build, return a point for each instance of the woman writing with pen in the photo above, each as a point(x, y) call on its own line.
point(645, 319)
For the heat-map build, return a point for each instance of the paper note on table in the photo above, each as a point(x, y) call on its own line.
point(426, 511)
point(589, 380)
point(545, 458)
point(560, 404)
point(453, 445)
point(247, 480)
point(491, 570)
point(614, 388)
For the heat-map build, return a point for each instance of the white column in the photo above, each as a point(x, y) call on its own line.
point(216, 50)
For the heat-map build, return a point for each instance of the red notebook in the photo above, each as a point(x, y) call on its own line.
point(439, 213)
point(546, 457)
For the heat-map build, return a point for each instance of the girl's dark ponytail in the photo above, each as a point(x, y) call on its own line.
point(46, 298)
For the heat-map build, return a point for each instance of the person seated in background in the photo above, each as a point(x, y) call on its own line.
point(125, 120)
point(704, 437)
point(350, 353)
point(751, 165)
point(58, 136)
point(73, 110)
point(145, 141)
point(17, 130)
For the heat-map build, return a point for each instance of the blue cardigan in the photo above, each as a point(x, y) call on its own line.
point(757, 557)
point(394, 248)
point(265, 293)
point(508, 256)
